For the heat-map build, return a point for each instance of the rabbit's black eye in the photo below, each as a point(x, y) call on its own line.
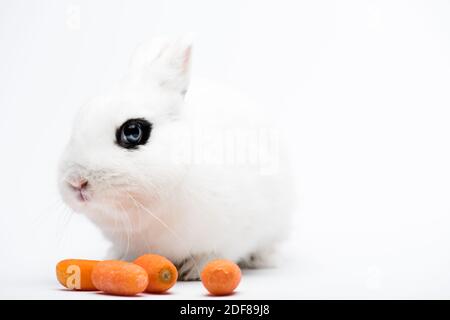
point(133, 132)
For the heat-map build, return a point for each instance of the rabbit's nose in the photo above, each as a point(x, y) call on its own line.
point(78, 184)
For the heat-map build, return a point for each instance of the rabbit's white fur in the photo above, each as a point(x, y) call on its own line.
point(189, 208)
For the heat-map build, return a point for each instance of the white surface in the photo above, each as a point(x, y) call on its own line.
point(362, 85)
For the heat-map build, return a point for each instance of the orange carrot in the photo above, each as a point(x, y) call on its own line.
point(75, 274)
point(119, 278)
point(162, 274)
point(221, 277)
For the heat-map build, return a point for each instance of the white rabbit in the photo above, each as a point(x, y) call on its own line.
point(189, 174)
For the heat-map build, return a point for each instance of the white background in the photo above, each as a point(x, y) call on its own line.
point(363, 88)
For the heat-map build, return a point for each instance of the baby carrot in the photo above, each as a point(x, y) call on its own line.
point(119, 278)
point(221, 277)
point(75, 274)
point(162, 274)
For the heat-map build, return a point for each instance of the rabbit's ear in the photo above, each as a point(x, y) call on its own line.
point(167, 62)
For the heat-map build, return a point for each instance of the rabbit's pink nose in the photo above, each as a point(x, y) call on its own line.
point(79, 184)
